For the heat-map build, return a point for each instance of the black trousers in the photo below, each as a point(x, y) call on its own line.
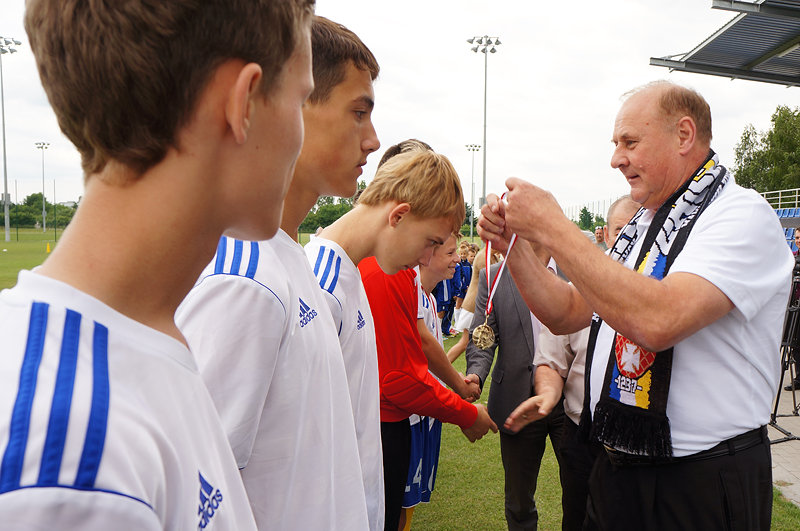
point(575, 468)
point(522, 456)
point(727, 492)
point(396, 441)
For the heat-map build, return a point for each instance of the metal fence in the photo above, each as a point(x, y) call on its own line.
point(783, 198)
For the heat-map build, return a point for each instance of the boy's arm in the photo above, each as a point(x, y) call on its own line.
point(442, 368)
point(405, 380)
point(235, 328)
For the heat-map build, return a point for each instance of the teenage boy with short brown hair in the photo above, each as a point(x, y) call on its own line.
point(262, 331)
point(106, 423)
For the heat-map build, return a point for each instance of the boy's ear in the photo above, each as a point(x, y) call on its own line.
point(398, 212)
point(241, 99)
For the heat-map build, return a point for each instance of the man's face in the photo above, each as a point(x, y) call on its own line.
point(339, 136)
point(276, 136)
point(598, 234)
point(646, 150)
point(444, 260)
point(619, 217)
point(411, 242)
point(797, 238)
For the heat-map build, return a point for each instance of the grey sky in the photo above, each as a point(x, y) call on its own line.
point(554, 87)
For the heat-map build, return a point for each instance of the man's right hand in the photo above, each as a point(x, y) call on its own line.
point(481, 425)
point(492, 224)
point(533, 409)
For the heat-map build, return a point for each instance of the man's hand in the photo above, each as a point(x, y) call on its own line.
point(473, 387)
point(535, 408)
point(481, 425)
point(530, 212)
point(492, 224)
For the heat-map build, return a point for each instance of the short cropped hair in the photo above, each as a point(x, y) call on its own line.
point(425, 180)
point(412, 144)
point(333, 47)
point(124, 76)
point(677, 101)
point(622, 200)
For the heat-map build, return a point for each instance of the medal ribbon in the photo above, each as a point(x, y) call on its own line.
point(492, 286)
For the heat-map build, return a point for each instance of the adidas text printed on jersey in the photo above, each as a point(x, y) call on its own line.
point(210, 500)
point(306, 313)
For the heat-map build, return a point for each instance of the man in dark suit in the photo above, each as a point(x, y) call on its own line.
point(512, 383)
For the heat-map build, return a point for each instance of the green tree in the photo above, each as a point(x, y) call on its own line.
point(467, 218)
point(585, 219)
point(770, 160)
point(29, 212)
point(598, 220)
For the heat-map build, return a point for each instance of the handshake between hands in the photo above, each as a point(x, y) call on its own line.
point(483, 423)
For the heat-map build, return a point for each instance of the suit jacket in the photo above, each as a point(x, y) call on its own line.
point(512, 377)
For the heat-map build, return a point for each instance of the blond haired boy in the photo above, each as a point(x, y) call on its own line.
point(411, 207)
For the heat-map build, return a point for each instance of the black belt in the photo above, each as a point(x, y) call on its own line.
point(739, 443)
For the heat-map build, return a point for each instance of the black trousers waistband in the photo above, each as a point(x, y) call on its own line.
point(739, 443)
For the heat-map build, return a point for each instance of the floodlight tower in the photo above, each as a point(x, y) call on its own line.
point(472, 148)
point(42, 146)
point(5, 47)
point(486, 45)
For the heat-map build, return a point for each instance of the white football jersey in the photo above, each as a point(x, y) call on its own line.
point(105, 422)
point(341, 284)
point(268, 350)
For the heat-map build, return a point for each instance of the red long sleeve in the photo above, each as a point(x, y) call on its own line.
point(406, 385)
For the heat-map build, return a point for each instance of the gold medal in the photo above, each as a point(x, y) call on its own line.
point(483, 335)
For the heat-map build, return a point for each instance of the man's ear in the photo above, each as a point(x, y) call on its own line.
point(605, 236)
point(687, 134)
point(241, 99)
point(398, 213)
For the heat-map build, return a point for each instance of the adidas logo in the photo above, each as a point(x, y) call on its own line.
point(361, 322)
point(306, 313)
point(210, 500)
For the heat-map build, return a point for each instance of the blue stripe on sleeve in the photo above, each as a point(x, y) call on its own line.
point(220, 263)
point(335, 274)
point(62, 401)
point(253, 265)
point(98, 416)
point(237, 256)
point(327, 270)
point(319, 260)
point(11, 467)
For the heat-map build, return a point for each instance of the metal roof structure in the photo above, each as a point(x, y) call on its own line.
point(761, 43)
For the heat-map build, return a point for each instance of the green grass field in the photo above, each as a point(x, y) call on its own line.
point(29, 251)
point(469, 485)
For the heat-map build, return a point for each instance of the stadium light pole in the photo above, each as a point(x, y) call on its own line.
point(473, 148)
point(5, 47)
point(42, 146)
point(486, 45)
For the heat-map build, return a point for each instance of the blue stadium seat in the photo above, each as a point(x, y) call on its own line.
point(779, 212)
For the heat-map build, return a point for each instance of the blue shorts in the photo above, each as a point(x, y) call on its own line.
point(426, 438)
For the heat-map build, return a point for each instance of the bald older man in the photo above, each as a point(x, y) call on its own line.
point(682, 360)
